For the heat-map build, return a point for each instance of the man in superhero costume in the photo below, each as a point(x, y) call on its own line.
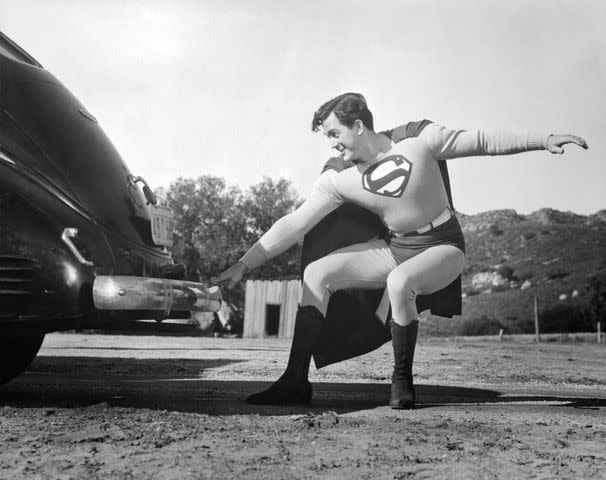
point(401, 178)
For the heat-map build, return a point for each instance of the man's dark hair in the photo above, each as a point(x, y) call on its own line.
point(348, 108)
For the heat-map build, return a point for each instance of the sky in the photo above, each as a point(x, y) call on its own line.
point(229, 87)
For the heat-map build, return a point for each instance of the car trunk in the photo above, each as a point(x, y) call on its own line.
point(51, 132)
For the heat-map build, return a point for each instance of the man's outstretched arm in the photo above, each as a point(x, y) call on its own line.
point(286, 231)
point(446, 143)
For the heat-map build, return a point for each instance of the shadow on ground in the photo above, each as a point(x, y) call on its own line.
point(175, 385)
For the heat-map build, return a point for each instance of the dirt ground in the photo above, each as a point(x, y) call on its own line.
point(100, 406)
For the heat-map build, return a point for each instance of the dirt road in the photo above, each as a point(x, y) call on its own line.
point(173, 408)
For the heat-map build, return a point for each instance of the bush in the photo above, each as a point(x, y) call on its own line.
point(506, 272)
point(469, 268)
point(495, 230)
point(522, 325)
point(557, 273)
point(566, 318)
point(483, 325)
point(596, 288)
point(470, 291)
point(525, 275)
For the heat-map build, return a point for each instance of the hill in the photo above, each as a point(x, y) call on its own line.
point(513, 257)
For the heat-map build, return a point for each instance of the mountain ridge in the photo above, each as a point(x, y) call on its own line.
point(543, 216)
point(512, 258)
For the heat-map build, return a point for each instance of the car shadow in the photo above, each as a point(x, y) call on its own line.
point(177, 385)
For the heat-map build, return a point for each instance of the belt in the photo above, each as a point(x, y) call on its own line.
point(439, 220)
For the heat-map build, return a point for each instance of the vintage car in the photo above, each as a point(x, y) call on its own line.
point(83, 243)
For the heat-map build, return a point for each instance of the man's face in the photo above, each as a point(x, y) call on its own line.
point(342, 138)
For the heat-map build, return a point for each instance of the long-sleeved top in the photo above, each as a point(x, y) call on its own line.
point(403, 186)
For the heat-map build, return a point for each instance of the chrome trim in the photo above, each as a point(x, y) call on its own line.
point(133, 179)
point(4, 157)
point(66, 236)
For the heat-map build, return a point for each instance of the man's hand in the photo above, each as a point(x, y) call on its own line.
point(555, 142)
point(233, 274)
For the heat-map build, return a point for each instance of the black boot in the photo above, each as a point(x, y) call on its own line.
point(293, 386)
point(404, 340)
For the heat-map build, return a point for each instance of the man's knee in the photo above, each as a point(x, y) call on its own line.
point(400, 286)
point(315, 274)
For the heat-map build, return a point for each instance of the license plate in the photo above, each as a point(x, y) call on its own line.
point(161, 225)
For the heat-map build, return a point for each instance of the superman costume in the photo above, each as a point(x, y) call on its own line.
point(388, 205)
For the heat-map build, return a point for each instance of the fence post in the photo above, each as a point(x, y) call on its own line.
point(501, 335)
point(599, 332)
point(537, 335)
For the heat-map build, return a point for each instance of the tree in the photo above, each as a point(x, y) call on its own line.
point(265, 203)
point(215, 224)
point(209, 223)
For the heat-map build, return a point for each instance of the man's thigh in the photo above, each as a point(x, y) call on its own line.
point(431, 270)
point(363, 265)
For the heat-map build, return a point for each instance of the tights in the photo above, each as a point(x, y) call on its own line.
point(372, 265)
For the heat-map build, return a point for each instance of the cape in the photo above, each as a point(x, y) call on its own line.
point(352, 328)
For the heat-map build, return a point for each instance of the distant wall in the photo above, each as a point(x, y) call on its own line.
point(284, 294)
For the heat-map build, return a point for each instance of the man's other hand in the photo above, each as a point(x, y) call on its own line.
point(555, 142)
point(232, 275)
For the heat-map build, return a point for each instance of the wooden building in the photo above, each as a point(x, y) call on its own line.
point(270, 308)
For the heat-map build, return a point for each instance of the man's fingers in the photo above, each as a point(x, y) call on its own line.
point(232, 282)
point(217, 279)
point(556, 149)
point(560, 140)
point(221, 277)
point(232, 274)
point(556, 142)
point(579, 141)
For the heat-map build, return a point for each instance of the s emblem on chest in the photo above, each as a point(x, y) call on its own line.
point(388, 177)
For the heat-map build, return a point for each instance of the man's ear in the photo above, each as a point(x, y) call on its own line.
point(359, 127)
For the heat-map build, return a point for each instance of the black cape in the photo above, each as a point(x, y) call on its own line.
point(352, 328)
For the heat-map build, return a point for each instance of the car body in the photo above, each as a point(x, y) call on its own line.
point(82, 243)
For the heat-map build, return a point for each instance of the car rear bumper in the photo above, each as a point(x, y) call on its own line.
point(115, 292)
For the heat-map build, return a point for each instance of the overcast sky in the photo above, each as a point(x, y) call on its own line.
point(223, 87)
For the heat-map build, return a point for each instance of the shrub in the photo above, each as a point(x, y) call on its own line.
point(525, 275)
point(506, 272)
point(557, 273)
point(470, 291)
point(528, 235)
point(483, 325)
point(596, 288)
point(565, 318)
point(495, 230)
point(523, 325)
point(469, 268)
